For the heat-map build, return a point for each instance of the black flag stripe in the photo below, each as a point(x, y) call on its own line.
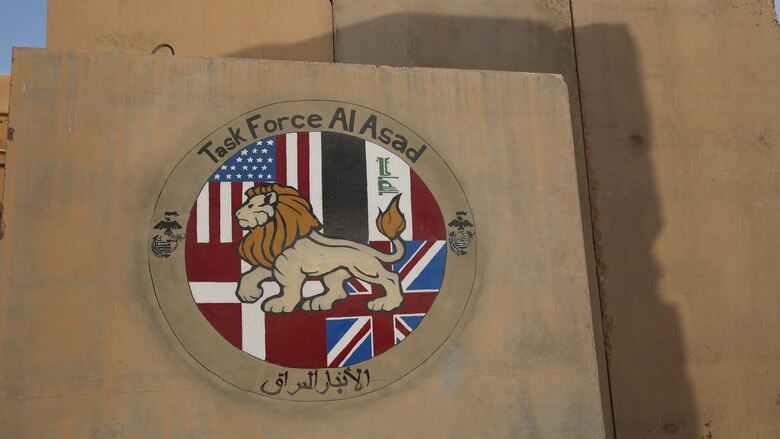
point(344, 188)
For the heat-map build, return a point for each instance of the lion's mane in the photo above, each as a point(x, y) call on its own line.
point(293, 220)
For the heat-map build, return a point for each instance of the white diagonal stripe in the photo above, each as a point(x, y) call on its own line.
point(414, 273)
point(345, 339)
point(357, 346)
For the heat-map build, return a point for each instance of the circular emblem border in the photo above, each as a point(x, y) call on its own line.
point(238, 368)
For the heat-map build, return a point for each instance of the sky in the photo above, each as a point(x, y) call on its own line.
point(777, 10)
point(22, 24)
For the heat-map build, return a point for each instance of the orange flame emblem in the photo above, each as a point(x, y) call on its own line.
point(391, 222)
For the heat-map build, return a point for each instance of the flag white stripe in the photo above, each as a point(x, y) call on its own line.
point(399, 335)
point(214, 292)
point(411, 257)
point(202, 212)
point(292, 159)
point(225, 216)
point(349, 335)
point(403, 323)
point(253, 329)
point(315, 173)
point(245, 186)
point(396, 180)
point(414, 273)
point(365, 285)
point(225, 292)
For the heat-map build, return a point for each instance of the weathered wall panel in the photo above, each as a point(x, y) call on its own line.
point(102, 361)
point(529, 36)
point(681, 103)
point(268, 29)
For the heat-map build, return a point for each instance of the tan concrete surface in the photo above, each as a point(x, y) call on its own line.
point(5, 90)
point(5, 93)
point(268, 29)
point(681, 103)
point(86, 351)
point(529, 36)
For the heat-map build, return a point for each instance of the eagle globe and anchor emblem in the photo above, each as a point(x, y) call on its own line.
point(315, 252)
point(165, 244)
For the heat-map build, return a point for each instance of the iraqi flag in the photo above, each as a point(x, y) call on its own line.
point(347, 180)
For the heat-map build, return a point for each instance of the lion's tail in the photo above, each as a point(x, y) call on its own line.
point(392, 223)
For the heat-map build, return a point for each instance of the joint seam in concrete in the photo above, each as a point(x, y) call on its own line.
point(593, 219)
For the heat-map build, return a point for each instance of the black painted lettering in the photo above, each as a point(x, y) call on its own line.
point(250, 124)
point(222, 152)
point(236, 135)
point(269, 126)
point(400, 143)
point(414, 154)
point(205, 148)
point(339, 116)
point(314, 120)
point(298, 125)
point(384, 135)
point(281, 122)
point(369, 125)
point(352, 121)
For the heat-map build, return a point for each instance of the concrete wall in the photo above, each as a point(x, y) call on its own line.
point(102, 361)
point(269, 29)
point(681, 106)
point(680, 102)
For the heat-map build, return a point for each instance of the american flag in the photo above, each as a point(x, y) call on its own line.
point(342, 178)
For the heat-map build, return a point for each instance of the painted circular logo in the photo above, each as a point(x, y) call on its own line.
point(319, 239)
point(315, 249)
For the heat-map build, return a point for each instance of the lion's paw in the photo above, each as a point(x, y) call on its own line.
point(249, 295)
point(385, 303)
point(279, 305)
point(318, 303)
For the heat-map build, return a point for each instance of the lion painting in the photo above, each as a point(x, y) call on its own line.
point(283, 243)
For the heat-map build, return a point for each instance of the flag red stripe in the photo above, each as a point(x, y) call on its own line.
point(351, 345)
point(225, 318)
point(214, 202)
point(212, 261)
point(384, 338)
point(297, 339)
point(428, 223)
point(303, 164)
point(401, 327)
point(238, 196)
point(281, 159)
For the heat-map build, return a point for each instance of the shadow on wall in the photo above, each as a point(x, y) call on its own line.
point(651, 396)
